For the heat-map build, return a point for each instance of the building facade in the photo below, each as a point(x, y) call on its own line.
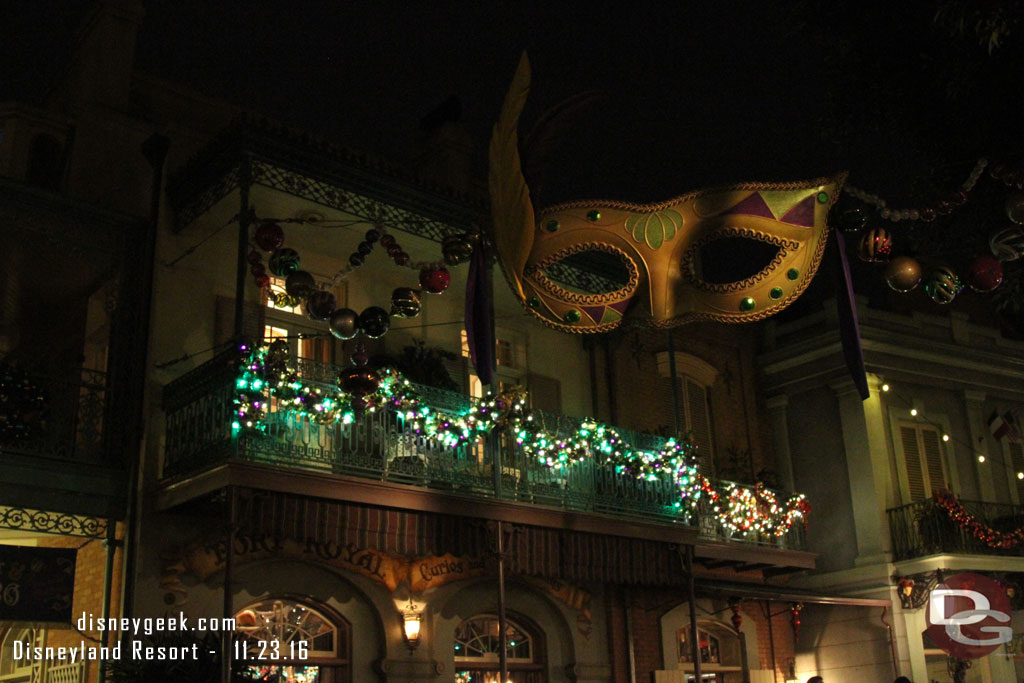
point(189, 426)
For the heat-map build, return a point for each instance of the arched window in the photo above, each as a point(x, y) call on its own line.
point(12, 670)
point(284, 641)
point(477, 645)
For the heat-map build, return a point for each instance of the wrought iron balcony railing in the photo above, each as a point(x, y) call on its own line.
point(58, 416)
point(925, 528)
point(199, 409)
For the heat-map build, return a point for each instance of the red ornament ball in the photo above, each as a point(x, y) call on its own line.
point(984, 274)
point(269, 236)
point(435, 280)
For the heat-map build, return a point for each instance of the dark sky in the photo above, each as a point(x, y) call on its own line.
point(694, 94)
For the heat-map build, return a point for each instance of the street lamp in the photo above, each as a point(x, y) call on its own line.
point(411, 625)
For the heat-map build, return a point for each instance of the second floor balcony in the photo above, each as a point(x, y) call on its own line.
point(974, 528)
point(388, 447)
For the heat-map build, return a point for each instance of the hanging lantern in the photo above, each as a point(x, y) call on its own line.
point(320, 304)
point(942, 285)
point(374, 322)
point(875, 246)
point(457, 249)
point(435, 280)
point(269, 236)
point(903, 274)
point(405, 302)
point(344, 323)
point(1007, 245)
point(1015, 208)
point(300, 284)
point(984, 274)
point(284, 262)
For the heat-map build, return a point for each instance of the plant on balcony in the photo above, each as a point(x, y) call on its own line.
point(421, 364)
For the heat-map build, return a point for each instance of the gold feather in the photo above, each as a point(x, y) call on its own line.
point(511, 208)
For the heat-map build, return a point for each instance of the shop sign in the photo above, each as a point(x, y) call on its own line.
point(36, 584)
point(969, 616)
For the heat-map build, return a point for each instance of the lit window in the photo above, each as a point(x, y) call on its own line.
point(477, 647)
point(308, 643)
point(275, 292)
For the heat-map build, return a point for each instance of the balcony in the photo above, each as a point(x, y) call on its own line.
point(200, 409)
point(925, 528)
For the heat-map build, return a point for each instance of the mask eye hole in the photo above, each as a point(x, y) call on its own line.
point(589, 274)
point(732, 258)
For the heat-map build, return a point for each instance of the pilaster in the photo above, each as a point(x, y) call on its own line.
point(973, 404)
point(778, 412)
point(867, 461)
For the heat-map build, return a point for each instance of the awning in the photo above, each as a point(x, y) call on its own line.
point(738, 589)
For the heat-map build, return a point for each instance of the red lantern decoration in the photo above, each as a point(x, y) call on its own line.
point(984, 274)
point(435, 280)
point(269, 236)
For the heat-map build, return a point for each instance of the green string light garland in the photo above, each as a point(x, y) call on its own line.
point(267, 373)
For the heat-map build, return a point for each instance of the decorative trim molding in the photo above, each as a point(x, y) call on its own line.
point(693, 367)
point(46, 522)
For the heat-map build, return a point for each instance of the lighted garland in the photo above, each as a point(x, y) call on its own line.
point(981, 531)
point(267, 373)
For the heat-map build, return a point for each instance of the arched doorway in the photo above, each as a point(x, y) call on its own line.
point(477, 646)
point(16, 670)
point(288, 641)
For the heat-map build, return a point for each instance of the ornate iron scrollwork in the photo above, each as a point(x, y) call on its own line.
point(46, 522)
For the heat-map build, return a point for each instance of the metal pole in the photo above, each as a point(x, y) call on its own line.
point(244, 220)
point(771, 635)
point(694, 639)
point(675, 381)
point(629, 636)
point(502, 625)
point(108, 581)
point(228, 611)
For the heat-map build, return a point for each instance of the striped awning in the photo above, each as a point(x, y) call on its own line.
point(551, 553)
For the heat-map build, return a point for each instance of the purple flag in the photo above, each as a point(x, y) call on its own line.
point(849, 328)
point(480, 316)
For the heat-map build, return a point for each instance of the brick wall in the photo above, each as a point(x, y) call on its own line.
point(89, 580)
point(644, 398)
point(781, 633)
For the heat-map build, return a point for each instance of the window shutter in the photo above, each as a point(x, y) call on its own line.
point(912, 457)
point(933, 459)
point(1016, 452)
point(698, 420)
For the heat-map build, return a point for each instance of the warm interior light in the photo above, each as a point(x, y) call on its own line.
point(913, 411)
point(411, 625)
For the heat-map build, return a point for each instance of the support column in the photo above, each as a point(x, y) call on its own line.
point(916, 625)
point(778, 412)
point(974, 405)
point(867, 461)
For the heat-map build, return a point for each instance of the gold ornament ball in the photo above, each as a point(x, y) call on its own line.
point(903, 274)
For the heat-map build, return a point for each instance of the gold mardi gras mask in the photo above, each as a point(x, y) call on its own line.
point(659, 246)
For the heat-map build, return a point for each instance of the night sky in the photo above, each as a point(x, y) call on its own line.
point(692, 94)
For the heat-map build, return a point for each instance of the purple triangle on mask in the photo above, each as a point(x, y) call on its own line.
point(620, 306)
point(595, 312)
point(754, 205)
point(802, 213)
